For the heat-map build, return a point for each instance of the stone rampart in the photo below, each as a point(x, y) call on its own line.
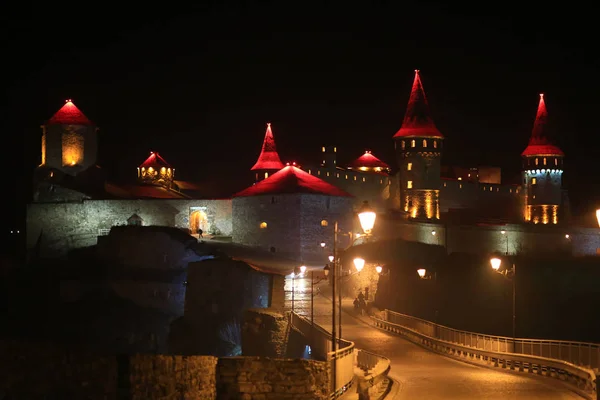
point(32, 370)
point(256, 378)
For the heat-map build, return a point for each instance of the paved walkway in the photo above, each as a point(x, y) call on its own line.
point(420, 373)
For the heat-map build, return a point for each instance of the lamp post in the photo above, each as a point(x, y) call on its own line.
point(496, 263)
point(428, 275)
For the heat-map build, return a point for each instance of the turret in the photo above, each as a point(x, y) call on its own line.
point(542, 173)
point(268, 161)
point(418, 146)
point(69, 141)
point(156, 171)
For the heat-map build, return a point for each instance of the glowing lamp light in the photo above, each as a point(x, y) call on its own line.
point(433, 233)
point(293, 275)
point(496, 262)
point(567, 236)
point(366, 216)
point(598, 216)
point(303, 269)
point(323, 244)
point(359, 263)
point(326, 270)
point(330, 258)
point(378, 269)
point(503, 232)
point(422, 272)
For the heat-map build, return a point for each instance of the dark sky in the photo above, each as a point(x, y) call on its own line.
point(199, 84)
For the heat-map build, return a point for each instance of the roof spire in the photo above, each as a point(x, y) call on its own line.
point(69, 114)
point(417, 119)
point(539, 143)
point(268, 159)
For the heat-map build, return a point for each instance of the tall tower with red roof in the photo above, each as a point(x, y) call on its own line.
point(418, 146)
point(268, 161)
point(69, 141)
point(542, 173)
point(156, 171)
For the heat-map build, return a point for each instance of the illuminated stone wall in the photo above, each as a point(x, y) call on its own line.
point(268, 222)
point(70, 148)
point(422, 204)
point(489, 199)
point(487, 239)
point(314, 210)
point(364, 186)
point(65, 226)
point(291, 224)
point(543, 196)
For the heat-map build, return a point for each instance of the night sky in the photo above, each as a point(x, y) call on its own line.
point(198, 85)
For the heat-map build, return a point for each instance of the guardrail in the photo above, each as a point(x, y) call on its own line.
point(371, 373)
point(490, 349)
point(342, 360)
point(579, 353)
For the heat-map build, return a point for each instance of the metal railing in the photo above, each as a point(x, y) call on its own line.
point(499, 350)
point(371, 372)
point(320, 341)
point(579, 353)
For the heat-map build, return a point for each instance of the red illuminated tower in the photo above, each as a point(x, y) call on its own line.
point(156, 171)
point(69, 141)
point(418, 146)
point(268, 162)
point(542, 172)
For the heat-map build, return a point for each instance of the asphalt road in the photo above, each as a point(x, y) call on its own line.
point(420, 373)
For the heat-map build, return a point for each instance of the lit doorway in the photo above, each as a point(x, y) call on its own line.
point(198, 221)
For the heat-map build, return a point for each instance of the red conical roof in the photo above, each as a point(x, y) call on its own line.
point(292, 180)
point(69, 114)
point(368, 160)
point(539, 144)
point(155, 160)
point(268, 159)
point(417, 120)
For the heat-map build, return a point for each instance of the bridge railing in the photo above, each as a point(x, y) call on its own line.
point(495, 349)
point(342, 360)
point(579, 353)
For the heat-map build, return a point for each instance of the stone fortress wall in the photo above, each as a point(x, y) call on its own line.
point(31, 370)
point(488, 238)
point(70, 225)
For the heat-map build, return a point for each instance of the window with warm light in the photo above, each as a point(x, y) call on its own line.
point(323, 149)
point(355, 178)
point(263, 225)
point(556, 161)
point(544, 160)
point(409, 185)
point(327, 173)
point(409, 166)
point(536, 161)
point(435, 144)
point(534, 181)
point(413, 143)
point(324, 222)
point(424, 142)
point(266, 175)
point(335, 149)
point(364, 179)
point(403, 145)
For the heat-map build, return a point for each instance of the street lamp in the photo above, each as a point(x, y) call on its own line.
point(359, 263)
point(366, 216)
point(496, 263)
point(323, 244)
point(422, 272)
point(302, 270)
point(378, 269)
point(331, 258)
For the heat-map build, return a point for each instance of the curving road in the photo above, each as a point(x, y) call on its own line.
point(422, 374)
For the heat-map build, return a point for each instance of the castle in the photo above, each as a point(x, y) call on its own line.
point(288, 209)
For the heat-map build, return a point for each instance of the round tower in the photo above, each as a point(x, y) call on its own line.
point(69, 141)
point(418, 146)
point(542, 173)
point(268, 161)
